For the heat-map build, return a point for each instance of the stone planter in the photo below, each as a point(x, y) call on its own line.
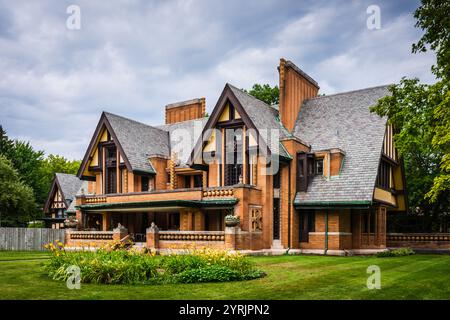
point(70, 225)
point(232, 221)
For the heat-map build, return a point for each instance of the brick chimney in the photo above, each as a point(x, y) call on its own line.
point(295, 87)
point(185, 110)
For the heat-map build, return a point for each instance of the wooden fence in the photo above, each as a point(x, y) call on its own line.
point(29, 238)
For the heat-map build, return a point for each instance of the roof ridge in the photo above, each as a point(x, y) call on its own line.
point(248, 94)
point(135, 121)
point(347, 92)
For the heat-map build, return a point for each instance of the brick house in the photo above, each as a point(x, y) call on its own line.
point(315, 174)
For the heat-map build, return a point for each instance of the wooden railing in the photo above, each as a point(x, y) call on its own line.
point(94, 199)
point(91, 235)
point(218, 192)
point(418, 237)
point(192, 235)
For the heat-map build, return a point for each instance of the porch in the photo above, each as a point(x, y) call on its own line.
point(178, 218)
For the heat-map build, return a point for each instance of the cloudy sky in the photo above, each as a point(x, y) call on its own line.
point(134, 57)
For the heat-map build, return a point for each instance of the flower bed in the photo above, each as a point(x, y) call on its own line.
point(115, 264)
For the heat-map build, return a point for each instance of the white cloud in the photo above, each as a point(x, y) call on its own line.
point(132, 58)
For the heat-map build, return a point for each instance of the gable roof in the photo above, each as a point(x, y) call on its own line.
point(68, 185)
point(255, 113)
point(138, 141)
point(344, 121)
point(262, 115)
point(135, 141)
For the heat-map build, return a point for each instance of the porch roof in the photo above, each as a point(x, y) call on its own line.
point(331, 204)
point(160, 204)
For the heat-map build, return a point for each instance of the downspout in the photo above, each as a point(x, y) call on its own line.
point(289, 207)
point(326, 232)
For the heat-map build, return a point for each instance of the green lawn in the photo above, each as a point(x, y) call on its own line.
point(288, 277)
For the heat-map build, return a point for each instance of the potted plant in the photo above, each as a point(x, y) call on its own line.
point(71, 222)
point(232, 220)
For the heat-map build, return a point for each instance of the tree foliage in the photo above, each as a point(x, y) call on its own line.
point(420, 114)
point(33, 169)
point(266, 93)
point(16, 198)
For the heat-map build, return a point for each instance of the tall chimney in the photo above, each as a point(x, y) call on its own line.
point(295, 87)
point(185, 110)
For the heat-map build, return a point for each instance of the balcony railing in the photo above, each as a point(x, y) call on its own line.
point(192, 235)
point(218, 192)
point(94, 199)
point(91, 235)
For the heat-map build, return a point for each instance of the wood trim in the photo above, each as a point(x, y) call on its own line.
point(226, 95)
point(102, 122)
point(118, 188)
point(103, 171)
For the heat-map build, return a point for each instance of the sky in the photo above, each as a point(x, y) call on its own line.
point(134, 57)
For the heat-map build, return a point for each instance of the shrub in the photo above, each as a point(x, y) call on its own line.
point(216, 273)
point(114, 264)
point(396, 253)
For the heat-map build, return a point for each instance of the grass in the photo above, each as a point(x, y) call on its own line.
point(288, 277)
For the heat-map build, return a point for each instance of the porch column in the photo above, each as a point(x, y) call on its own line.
point(105, 221)
point(199, 221)
point(79, 217)
point(153, 237)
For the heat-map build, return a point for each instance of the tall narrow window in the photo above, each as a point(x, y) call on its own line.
point(111, 169)
point(144, 183)
point(319, 167)
point(384, 175)
point(233, 157)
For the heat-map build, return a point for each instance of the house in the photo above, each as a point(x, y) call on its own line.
point(60, 202)
point(315, 174)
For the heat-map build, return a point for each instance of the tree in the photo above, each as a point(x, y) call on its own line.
point(33, 168)
point(56, 163)
point(16, 198)
point(420, 114)
point(28, 164)
point(265, 92)
point(5, 143)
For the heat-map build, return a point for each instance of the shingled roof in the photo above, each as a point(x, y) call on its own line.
point(139, 141)
point(190, 130)
point(69, 184)
point(263, 116)
point(344, 121)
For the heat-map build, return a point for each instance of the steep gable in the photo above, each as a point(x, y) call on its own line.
point(135, 141)
point(255, 114)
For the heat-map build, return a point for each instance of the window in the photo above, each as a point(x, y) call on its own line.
point(198, 181)
point(300, 168)
point(144, 183)
point(307, 224)
point(384, 175)
point(369, 222)
point(187, 182)
point(318, 167)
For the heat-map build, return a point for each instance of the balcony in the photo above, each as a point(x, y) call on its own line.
point(178, 198)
